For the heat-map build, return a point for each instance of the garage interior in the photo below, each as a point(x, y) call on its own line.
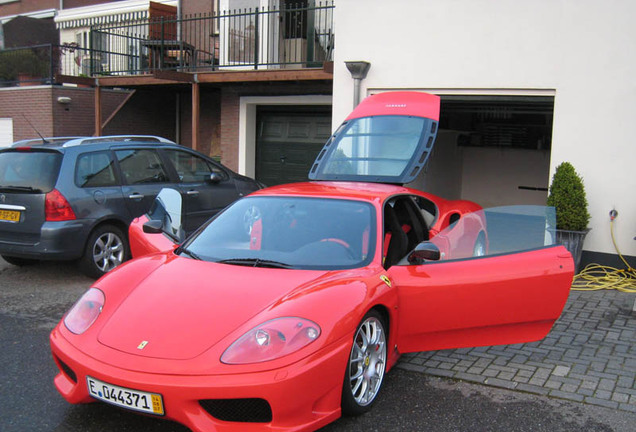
point(494, 150)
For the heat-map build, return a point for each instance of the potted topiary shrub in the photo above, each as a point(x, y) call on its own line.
point(567, 196)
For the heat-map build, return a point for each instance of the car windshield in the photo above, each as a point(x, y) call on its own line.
point(289, 232)
point(29, 171)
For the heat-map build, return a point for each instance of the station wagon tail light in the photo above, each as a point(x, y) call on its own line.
point(57, 208)
point(271, 340)
point(84, 313)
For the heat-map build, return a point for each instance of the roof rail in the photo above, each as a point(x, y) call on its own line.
point(45, 141)
point(118, 138)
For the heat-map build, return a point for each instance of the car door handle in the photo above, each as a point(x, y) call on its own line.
point(192, 192)
point(135, 196)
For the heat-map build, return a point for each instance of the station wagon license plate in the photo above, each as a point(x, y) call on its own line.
point(150, 403)
point(9, 216)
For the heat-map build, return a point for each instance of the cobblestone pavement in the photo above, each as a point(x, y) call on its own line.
point(589, 356)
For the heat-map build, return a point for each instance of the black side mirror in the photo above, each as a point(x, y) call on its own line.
point(425, 251)
point(153, 227)
point(215, 178)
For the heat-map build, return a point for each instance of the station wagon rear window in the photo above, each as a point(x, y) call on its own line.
point(29, 171)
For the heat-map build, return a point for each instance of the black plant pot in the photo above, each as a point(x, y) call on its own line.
point(573, 242)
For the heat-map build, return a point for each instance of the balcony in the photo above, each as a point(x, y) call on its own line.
point(291, 37)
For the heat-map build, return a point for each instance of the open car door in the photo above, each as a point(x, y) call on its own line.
point(512, 294)
point(160, 229)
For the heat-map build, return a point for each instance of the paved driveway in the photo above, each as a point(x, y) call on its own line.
point(589, 356)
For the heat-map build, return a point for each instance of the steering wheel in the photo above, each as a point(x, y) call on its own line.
point(342, 243)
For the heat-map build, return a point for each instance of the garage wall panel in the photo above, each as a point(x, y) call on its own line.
point(581, 50)
point(6, 132)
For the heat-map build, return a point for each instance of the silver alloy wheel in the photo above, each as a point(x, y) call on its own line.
point(108, 251)
point(367, 361)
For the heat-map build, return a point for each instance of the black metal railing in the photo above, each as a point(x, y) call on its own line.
point(293, 36)
point(34, 65)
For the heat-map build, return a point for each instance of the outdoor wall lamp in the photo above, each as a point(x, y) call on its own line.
point(358, 70)
point(64, 100)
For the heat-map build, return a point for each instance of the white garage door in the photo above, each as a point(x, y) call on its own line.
point(6, 132)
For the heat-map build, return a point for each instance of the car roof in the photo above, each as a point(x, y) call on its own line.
point(343, 190)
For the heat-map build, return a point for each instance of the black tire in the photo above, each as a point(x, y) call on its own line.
point(366, 365)
point(19, 261)
point(106, 248)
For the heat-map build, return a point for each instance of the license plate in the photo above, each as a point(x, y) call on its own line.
point(9, 216)
point(136, 400)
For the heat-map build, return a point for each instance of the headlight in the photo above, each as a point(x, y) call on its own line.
point(271, 340)
point(84, 313)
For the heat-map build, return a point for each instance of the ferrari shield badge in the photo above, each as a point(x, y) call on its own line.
point(142, 345)
point(386, 280)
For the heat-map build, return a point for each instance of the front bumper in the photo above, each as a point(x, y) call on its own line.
point(302, 396)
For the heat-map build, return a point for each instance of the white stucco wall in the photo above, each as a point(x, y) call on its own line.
point(579, 50)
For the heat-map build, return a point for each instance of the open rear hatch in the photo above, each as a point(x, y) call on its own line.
point(388, 138)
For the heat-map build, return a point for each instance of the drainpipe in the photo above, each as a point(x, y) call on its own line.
point(358, 70)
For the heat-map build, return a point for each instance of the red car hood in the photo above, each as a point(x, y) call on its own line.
point(185, 306)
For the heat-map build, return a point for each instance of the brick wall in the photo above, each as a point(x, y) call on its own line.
point(25, 105)
point(41, 107)
point(209, 118)
point(150, 111)
point(230, 99)
point(78, 117)
point(24, 6)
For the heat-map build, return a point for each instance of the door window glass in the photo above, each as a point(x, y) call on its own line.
point(140, 166)
point(496, 231)
point(95, 170)
point(192, 168)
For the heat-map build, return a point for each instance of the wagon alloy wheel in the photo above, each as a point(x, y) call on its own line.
point(105, 250)
point(108, 252)
point(367, 362)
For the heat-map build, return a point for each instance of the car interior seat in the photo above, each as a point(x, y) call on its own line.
point(410, 223)
point(395, 239)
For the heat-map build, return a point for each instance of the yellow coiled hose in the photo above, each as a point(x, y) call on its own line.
point(598, 277)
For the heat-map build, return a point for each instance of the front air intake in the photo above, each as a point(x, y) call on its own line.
point(238, 410)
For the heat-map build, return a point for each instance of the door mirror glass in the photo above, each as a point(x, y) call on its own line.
point(153, 227)
point(215, 177)
point(165, 215)
point(425, 251)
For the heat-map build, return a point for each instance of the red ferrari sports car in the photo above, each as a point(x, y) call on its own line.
point(286, 310)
